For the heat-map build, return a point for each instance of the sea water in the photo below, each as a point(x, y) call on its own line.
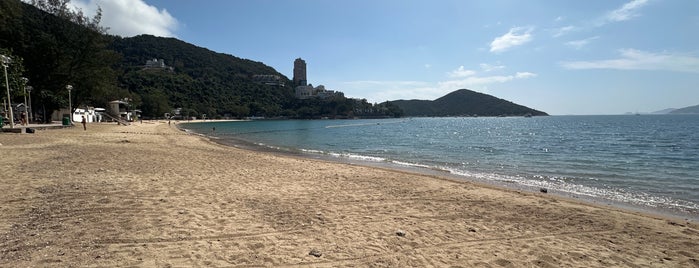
point(648, 161)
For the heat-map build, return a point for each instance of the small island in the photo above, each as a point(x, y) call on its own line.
point(465, 102)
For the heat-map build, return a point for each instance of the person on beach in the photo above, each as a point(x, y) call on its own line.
point(84, 122)
point(23, 118)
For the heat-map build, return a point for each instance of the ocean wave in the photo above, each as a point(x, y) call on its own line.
point(359, 157)
point(312, 151)
point(400, 163)
point(563, 186)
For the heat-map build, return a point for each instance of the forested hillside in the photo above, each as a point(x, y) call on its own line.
point(54, 47)
point(200, 80)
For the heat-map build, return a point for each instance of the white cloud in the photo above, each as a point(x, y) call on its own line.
point(130, 17)
point(563, 30)
point(627, 11)
point(632, 59)
point(488, 67)
point(380, 91)
point(517, 36)
point(427, 66)
point(461, 72)
point(579, 44)
point(522, 75)
point(477, 81)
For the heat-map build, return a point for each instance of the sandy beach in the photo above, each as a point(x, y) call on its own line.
point(150, 195)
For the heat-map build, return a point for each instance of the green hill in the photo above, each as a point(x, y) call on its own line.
point(200, 80)
point(464, 102)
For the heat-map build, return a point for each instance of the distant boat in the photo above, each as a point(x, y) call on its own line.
point(528, 115)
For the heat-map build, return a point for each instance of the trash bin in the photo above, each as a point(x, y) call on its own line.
point(66, 121)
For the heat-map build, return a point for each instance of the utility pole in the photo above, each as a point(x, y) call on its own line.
point(6, 61)
point(70, 104)
point(26, 111)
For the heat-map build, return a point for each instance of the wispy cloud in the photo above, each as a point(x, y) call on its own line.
point(383, 83)
point(633, 59)
point(522, 75)
point(479, 81)
point(558, 32)
point(627, 11)
point(131, 17)
point(461, 72)
point(471, 79)
point(579, 44)
point(379, 91)
point(490, 67)
point(517, 36)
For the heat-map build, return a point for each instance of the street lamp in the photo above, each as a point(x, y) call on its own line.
point(26, 112)
point(29, 89)
point(5, 62)
point(70, 104)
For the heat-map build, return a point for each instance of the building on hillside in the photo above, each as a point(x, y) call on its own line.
point(307, 92)
point(303, 90)
point(300, 72)
point(157, 64)
point(268, 79)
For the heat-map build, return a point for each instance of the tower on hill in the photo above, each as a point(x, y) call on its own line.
point(300, 72)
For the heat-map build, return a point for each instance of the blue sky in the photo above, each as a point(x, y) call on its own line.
point(561, 57)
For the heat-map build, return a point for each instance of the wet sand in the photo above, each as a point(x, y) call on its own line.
point(151, 195)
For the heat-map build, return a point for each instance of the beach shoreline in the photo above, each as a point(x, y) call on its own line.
point(152, 195)
point(662, 213)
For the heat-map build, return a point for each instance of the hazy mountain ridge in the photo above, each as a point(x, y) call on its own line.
point(664, 111)
point(687, 110)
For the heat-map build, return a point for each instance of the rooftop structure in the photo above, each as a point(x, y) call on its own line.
point(268, 79)
point(307, 92)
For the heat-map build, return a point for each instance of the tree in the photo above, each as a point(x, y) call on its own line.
point(155, 103)
point(15, 72)
point(60, 9)
point(60, 47)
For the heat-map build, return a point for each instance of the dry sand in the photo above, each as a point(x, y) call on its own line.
point(151, 195)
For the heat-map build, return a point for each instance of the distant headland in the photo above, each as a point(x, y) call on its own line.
point(464, 102)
